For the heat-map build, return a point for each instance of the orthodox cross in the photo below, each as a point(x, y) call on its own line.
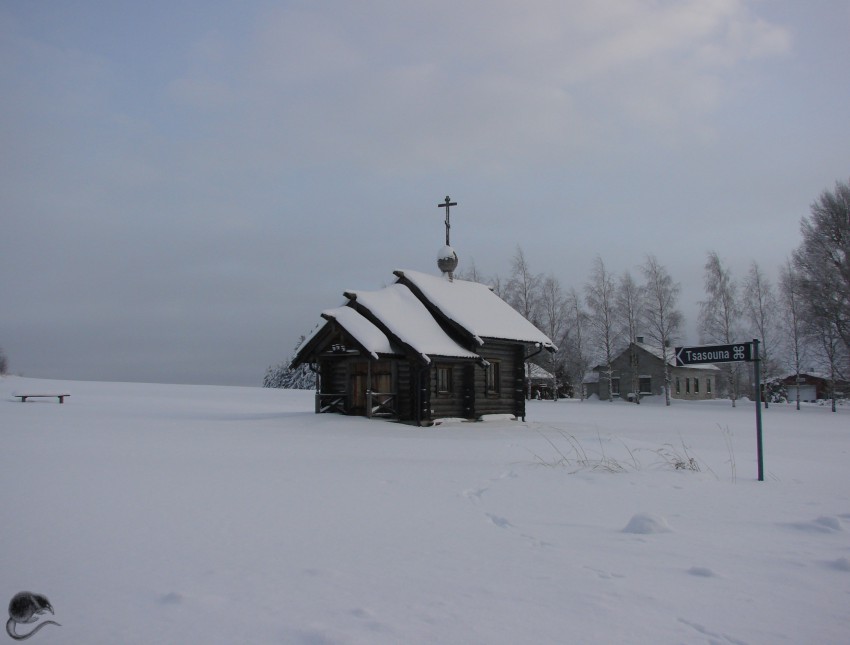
point(447, 204)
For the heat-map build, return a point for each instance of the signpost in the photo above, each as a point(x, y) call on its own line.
point(737, 352)
point(734, 353)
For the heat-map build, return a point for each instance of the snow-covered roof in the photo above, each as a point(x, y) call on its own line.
point(420, 312)
point(533, 370)
point(408, 320)
point(810, 373)
point(363, 331)
point(475, 308)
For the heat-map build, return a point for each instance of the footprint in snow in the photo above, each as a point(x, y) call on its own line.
point(716, 637)
point(604, 575)
point(369, 620)
point(841, 564)
point(701, 572)
point(829, 523)
point(474, 494)
point(823, 524)
point(501, 522)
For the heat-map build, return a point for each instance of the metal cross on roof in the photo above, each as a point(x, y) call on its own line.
point(447, 204)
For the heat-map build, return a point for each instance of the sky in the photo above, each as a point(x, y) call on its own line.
point(185, 186)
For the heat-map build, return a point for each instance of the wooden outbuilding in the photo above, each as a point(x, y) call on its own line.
point(426, 347)
point(814, 387)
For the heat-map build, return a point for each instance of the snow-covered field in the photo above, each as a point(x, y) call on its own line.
point(197, 514)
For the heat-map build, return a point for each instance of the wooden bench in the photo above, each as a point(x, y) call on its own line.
point(24, 397)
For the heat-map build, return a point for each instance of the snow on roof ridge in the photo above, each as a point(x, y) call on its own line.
point(402, 313)
point(475, 308)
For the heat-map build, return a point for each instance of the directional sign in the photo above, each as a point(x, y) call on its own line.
point(736, 353)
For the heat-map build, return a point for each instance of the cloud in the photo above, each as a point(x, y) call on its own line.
point(492, 84)
point(245, 169)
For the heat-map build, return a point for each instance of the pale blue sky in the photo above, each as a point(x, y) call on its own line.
point(186, 185)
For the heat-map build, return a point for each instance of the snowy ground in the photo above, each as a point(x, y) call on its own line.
point(195, 514)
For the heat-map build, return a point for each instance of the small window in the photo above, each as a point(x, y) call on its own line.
point(696, 386)
point(678, 385)
point(615, 387)
point(687, 385)
point(708, 385)
point(444, 379)
point(493, 375)
point(645, 385)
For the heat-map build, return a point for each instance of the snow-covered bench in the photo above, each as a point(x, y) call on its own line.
point(24, 397)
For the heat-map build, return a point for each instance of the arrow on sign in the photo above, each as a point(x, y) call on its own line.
point(735, 353)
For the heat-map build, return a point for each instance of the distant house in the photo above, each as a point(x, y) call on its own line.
point(813, 387)
point(540, 382)
point(692, 382)
point(424, 348)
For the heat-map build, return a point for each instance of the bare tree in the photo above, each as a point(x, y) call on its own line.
point(576, 340)
point(830, 349)
point(523, 289)
point(4, 363)
point(553, 308)
point(791, 321)
point(472, 274)
point(760, 308)
point(662, 320)
point(600, 298)
point(823, 262)
point(629, 306)
point(498, 286)
point(720, 314)
point(523, 293)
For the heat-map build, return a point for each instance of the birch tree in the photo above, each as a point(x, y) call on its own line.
point(720, 314)
point(523, 294)
point(791, 321)
point(523, 288)
point(830, 350)
point(760, 307)
point(662, 320)
point(576, 342)
point(496, 284)
point(499, 287)
point(553, 308)
point(600, 299)
point(823, 262)
point(629, 305)
point(472, 274)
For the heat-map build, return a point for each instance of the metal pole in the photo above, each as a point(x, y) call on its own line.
point(759, 446)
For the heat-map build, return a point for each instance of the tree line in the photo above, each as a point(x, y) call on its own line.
point(803, 321)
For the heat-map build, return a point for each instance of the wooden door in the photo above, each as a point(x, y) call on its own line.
point(377, 376)
point(358, 384)
point(382, 377)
